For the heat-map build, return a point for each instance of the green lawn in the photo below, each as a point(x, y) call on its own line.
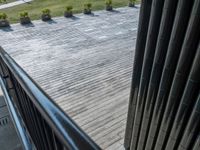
point(57, 7)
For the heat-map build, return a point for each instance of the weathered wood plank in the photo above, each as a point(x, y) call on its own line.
point(85, 65)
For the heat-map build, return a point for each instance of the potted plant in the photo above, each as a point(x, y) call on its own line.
point(87, 8)
point(3, 20)
point(68, 11)
point(24, 18)
point(46, 15)
point(109, 5)
point(131, 3)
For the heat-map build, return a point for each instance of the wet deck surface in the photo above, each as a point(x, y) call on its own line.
point(84, 64)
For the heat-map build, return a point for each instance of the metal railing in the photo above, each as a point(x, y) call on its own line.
point(40, 122)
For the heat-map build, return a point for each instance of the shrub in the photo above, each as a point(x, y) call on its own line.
point(24, 18)
point(3, 1)
point(108, 2)
point(46, 11)
point(23, 14)
point(3, 20)
point(46, 16)
point(3, 16)
point(68, 9)
point(109, 5)
point(132, 1)
point(88, 6)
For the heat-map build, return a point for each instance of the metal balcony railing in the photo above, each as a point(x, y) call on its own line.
point(40, 123)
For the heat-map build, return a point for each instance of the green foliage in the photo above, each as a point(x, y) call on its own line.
point(88, 6)
point(3, 16)
point(46, 11)
point(23, 14)
point(57, 7)
point(3, 1)
point(69, 8)
point(108, 2)
point(132, 1)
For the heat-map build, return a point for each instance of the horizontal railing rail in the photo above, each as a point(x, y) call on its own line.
point(48, 125)
point(17, 120)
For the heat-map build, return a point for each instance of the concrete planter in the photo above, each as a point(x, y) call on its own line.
point(46, 17)
point(87, 11)
point(4, 23)
point(25, 20)
point(131, 4)
point(109, 8)
point(68, 14)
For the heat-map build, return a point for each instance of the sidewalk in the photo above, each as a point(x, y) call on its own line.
point(19, 2)
point(8, 136)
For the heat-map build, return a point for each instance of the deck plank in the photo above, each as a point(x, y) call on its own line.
point(84, 64)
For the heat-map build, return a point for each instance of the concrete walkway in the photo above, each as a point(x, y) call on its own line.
point(19, 2)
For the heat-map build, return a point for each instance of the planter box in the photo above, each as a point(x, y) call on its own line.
point(68, 14)
point(46, 17)
point(4, 23)
point(87, 11)
point(25, 20)
point(131, 4)
point(109, 8)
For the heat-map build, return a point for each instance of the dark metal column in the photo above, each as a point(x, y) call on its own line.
point(160, 53)
point(154, 24)
point(139, 53)
point(167, 82)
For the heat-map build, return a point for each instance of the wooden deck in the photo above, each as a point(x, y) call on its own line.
point(84, 64)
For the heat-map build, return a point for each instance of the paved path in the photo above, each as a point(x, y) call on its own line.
point(84, 64)
point(12, 4)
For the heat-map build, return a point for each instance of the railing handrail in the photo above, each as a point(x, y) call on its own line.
point(17, 121)
point(64, 127)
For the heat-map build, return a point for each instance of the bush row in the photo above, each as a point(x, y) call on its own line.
point(46, 13)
